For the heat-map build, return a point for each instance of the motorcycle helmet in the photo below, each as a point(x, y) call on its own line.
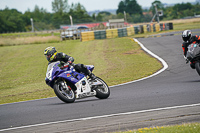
point(50, 53)
point(186, 35)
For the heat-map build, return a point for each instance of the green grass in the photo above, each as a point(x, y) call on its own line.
point(185, 26)
point(23, 67)
point(184, 128)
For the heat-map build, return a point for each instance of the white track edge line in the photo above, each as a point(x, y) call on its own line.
point(165, 66)
point(103, 116)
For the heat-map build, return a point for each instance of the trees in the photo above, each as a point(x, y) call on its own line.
point(158, 4)
point(79, 14)
point(132, 8)
point(42, 19)
point(121, 7)
point(60, 6)
point(11, 21)
point(129, 6)
point(62, 11)
point(180, 11)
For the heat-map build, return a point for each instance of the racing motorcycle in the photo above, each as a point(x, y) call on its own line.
point(70, 85)
point(193, 55)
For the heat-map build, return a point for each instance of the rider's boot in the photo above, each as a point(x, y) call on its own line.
point(192, 65)
point(91, 75)
point(87, 72)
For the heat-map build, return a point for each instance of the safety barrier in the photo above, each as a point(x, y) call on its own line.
point(122, 32)
point(145, 28)
point(111, 33)
point(101, 34)
point(128, 31)
point(87, 36)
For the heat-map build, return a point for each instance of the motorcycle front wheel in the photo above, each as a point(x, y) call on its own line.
point(67, 96)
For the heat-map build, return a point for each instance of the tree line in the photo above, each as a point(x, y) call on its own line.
point(11, 20)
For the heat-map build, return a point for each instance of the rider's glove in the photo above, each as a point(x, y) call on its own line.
point(186, 59)
point(46, 80)
point(70, 62)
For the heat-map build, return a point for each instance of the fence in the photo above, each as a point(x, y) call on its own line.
point(122, 32)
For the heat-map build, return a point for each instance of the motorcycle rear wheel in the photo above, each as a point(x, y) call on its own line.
point(197, 66)
point(103, 92)
point(62, 94)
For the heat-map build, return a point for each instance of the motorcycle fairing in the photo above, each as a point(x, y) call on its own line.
point(71, 76)
point(90, 67)
point(193, 51)
point(83, 90)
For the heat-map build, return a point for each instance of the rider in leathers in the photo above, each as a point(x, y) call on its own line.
point(52, 56)
point(189, 39)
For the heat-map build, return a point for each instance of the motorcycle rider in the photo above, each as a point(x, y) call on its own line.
point(188, 39)
point(52, 56)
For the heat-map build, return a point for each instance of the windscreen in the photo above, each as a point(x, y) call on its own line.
point(50, 66)
point(193, 51)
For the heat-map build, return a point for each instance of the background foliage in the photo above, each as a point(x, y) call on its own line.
point(12, 20)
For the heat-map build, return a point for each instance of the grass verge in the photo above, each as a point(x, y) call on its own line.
point(184, 128)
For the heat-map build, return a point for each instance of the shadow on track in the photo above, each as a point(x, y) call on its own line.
point(78, 101)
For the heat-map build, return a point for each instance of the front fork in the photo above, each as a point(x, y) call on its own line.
point(65, 87)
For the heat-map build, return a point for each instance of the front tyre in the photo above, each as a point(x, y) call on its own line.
point(66, 95)
point(103, 91)
point(197, 66)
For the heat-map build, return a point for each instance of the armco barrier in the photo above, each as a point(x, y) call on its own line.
point(122, 32)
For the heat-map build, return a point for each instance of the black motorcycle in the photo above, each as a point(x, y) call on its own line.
point(193, 55)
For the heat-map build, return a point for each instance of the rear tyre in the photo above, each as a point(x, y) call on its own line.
point(103, 91)
point(197, 66)
point(67, 96)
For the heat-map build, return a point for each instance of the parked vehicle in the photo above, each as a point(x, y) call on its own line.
point(69, 85)
point(73, 32)
point(193, 55)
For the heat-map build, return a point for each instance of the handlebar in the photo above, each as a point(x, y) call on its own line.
point(65, 65)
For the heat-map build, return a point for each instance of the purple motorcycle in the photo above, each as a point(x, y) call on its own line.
point(70, 85)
